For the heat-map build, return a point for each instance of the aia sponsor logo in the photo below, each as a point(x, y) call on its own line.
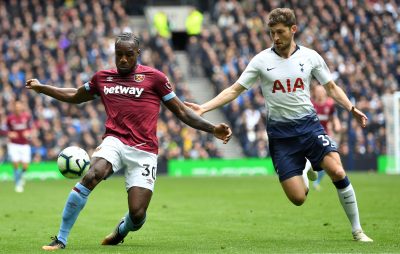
point(139, 77)
point(279, 87)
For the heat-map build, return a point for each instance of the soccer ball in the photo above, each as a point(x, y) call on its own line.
point(73, 162)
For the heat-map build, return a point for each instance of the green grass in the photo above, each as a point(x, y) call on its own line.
point(206, 215)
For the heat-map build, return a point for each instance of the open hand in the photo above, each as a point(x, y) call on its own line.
point(223, 131)
point(360, 116)
point(195, 107)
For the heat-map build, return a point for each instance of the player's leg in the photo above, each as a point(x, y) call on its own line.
point(25, 161)
point(289, 162)
point(138, 202)
point(17, 177)
point(140, 177)
point(295, 189)
point(309, 173)
point(333, 167)
point(99, 170)
point(317, 183)
point(14, 153)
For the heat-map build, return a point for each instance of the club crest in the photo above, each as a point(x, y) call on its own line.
point(139, 77)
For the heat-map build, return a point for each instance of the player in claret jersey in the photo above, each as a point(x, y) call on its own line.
point(294, 131)
point(131, 95)
point(19, 149)
point(326, 112)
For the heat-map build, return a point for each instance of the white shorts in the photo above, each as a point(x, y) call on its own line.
point(140, 166)
point(19, 153)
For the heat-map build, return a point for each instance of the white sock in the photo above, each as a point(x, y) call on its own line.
point(347, 198)
point(305, 177)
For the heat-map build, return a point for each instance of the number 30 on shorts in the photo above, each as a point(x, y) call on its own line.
point(147, 171)
point(326, 141)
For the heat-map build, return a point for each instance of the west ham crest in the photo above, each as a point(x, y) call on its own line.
point(139, 77)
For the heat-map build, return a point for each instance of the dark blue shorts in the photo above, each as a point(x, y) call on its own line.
point(289, 154)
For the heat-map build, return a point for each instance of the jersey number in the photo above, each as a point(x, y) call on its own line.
point(325, 140)
point(147, 171)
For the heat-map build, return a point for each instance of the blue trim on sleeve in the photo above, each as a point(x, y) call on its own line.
point(168, 96)
point(87, 87)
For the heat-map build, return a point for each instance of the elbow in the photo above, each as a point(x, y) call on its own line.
point(330, 87)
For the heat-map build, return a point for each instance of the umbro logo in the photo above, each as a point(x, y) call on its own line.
point(109, 79)
point(268, 69)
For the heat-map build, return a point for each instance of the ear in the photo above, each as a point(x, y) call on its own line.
point(293, 29)
point(139, 51)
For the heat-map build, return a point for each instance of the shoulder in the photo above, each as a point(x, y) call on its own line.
point(147, 69)
point(103, 75)
point(265, 53)
point(262, 57)
point(108, 72)
point(313, 56)
point(150, 71)
point(308, 52)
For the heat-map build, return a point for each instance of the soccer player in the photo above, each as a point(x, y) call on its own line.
point(18, 147)
point(325, 109)
point(285, 71)
point(131, 95)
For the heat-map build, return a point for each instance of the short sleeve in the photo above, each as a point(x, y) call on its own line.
point(164, 88)
point(250, 75)
point(320, 70)
point(92, 85)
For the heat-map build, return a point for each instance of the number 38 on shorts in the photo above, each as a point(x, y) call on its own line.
point(326, 141)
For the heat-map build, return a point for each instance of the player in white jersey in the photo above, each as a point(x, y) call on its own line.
point(293, 127)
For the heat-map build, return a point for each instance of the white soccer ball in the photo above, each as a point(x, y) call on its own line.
point(73, 162)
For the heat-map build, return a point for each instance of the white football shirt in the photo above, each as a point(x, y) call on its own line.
point(285, 83)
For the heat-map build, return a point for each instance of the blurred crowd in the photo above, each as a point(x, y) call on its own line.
point(63, 43)
point(359, 40)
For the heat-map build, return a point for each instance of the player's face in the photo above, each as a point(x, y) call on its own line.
point(126, 56)
point(18, 108)
point(282, 36)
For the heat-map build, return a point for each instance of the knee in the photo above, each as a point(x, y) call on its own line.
point(298, 200)
point(92, 178)
point(337, 174)
point(137, 214)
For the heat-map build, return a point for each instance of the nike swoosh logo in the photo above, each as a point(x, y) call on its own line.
point(347, 197)
point(268, 69)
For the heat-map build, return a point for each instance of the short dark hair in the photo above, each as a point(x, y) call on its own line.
point(281, 15)
point(127, 37)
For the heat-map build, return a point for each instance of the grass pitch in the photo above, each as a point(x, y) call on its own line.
point(206, 215)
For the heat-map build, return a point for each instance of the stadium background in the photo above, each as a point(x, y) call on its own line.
point(64, 42)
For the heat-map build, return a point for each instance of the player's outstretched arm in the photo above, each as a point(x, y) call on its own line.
point(70, 95)
point(340, 97)
point(224, 97)
point(188, 116)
